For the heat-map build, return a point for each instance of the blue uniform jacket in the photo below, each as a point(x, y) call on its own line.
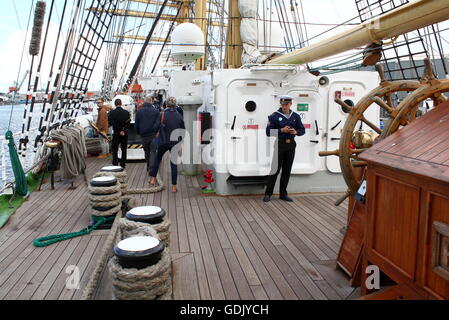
point(278, 120)
point(145, 120)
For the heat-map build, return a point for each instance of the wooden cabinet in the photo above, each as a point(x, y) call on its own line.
point(407, 209)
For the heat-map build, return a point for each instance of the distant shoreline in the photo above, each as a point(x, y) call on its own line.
point(20, 102)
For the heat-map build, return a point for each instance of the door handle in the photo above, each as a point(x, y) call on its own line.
point(335, 127)
point(335, 139)
point(236, 138)
point(314, 141)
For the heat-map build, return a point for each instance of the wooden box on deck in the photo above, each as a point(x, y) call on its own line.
point(407, 201)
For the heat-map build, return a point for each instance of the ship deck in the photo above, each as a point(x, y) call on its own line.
point(222, 247)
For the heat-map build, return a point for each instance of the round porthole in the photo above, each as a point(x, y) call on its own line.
point(349, 103)
point(250, 106)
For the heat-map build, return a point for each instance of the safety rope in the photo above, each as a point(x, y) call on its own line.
point(49, 240)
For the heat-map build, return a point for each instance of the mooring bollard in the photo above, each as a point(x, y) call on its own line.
point(141, 266)
point(105, 196)
point(117, 172)
point(154, 216)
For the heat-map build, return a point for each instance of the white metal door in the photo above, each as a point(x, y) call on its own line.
point(248, 149)
point(308, 105)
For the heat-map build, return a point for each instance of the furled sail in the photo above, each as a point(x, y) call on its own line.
point(248, 32)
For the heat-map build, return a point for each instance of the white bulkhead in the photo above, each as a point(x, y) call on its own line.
point(240, 101)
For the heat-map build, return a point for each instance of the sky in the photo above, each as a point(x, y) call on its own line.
point(14, 15)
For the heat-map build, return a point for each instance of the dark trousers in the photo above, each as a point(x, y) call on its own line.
point(117, 141)
point(161, 150)
point(150, 151)
point(285, 158)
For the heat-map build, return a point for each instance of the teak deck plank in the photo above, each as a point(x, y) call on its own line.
point(233, 247)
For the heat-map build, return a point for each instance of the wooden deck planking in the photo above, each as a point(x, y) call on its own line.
point(222, 247)
point(24, 248)
point(30, 272)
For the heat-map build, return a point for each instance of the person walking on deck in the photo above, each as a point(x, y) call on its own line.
point(146, 119)
point(169, 121)
point(120, 121)
point(102, 125)
point(285, 125)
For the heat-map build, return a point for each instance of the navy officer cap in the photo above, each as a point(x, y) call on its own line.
point(285, 99)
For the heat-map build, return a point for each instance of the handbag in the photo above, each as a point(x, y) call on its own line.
point(161, 136)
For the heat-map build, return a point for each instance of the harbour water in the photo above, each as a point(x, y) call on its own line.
point(11, 117)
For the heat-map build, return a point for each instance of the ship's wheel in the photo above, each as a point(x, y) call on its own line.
point(354, 141)
point(431, 88)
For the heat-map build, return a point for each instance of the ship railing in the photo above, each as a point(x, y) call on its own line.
point(7, 182)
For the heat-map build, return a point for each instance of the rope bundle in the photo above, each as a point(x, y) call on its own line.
point(74, 150)
point(151, 283)
point(106, 197)
point(39, 16)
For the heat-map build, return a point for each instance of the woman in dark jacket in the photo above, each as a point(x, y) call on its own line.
point(169, 121)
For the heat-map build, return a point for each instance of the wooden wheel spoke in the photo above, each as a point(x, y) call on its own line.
point(413, 114)
point(371, 125)
point(383, 104)
point(359, 164)
point(438, 99)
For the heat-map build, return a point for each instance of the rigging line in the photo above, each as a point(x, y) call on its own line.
point(22, 55)
point(116, 52)
point(297, 19)
point(429, 39)
point(154, 54)
point(52, 66)
point(39, 67)
point(166, 39)
point(132, 47)
point(440, 48)
point(284, 10)
point(328, 30)
point(139, 58)
point(305, 24)
point(286, 38)
point(99, 42)
point(50, 116)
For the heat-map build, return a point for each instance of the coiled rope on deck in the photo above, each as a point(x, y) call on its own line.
point(151, 283)
point(49, 240)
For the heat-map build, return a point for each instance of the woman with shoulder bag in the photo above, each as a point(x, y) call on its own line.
point(169, 121)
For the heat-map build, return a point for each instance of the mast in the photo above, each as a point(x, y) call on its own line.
point(201, 22)
point(234, 49)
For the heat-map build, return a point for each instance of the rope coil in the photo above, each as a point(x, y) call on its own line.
point(151, 283)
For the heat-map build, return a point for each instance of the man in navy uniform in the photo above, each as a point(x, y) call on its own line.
point(285, 125)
